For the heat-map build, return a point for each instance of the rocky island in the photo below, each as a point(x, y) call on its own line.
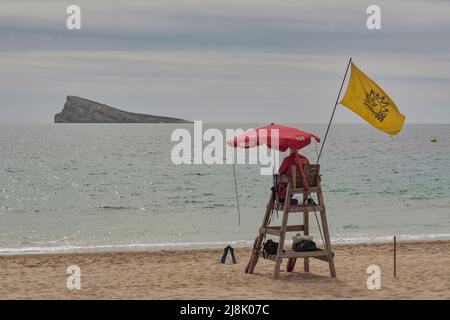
point(80, 110)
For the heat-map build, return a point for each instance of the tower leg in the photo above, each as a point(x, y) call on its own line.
point(258, 242)
point(281, 244)
point(306, 233)
point(287, 203)
point(326, 235)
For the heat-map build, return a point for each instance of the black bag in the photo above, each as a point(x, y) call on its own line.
point(270, 248)
point(304, 245)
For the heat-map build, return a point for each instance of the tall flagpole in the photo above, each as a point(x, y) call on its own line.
point(334, 109)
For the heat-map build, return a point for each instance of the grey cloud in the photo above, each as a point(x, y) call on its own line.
point(211, 59)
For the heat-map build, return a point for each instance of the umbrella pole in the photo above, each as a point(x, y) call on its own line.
point(334, 109)
point(237, 197)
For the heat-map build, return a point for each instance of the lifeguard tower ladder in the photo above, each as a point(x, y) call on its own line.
point(295, 186)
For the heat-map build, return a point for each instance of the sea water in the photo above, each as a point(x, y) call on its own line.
point(101, 187)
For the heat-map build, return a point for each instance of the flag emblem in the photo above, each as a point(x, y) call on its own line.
point(378, 104)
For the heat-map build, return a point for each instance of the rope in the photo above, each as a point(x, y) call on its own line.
point(318, 225)
point(311, 200)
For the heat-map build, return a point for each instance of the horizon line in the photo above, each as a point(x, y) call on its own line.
point(218, 122)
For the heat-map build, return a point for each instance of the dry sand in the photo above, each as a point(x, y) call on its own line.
point(423, 273)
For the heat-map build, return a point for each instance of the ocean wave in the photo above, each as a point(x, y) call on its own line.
point(350, 226)
point(121, 247)
point(200, 245)
point(383, 239)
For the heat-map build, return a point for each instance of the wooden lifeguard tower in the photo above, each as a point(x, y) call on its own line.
point(295, 187)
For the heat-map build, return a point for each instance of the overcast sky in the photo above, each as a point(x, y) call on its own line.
point(222, 61)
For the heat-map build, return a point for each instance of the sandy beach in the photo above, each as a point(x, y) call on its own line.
point(197, 274)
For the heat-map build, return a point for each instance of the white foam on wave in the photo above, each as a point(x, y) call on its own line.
point(121, 247)
point(383, 239)
point(197, 245)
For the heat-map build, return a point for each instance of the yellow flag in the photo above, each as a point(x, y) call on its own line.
point(371, 103)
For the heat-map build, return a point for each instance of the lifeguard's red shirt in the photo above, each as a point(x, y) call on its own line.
point(291, 160)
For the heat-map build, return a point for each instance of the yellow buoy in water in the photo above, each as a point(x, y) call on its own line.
point(434, 139)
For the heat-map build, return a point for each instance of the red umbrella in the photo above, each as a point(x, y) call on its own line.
point(288, 137)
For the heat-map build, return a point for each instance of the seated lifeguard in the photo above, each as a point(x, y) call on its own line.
point(290, 160)
point(294, 158)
